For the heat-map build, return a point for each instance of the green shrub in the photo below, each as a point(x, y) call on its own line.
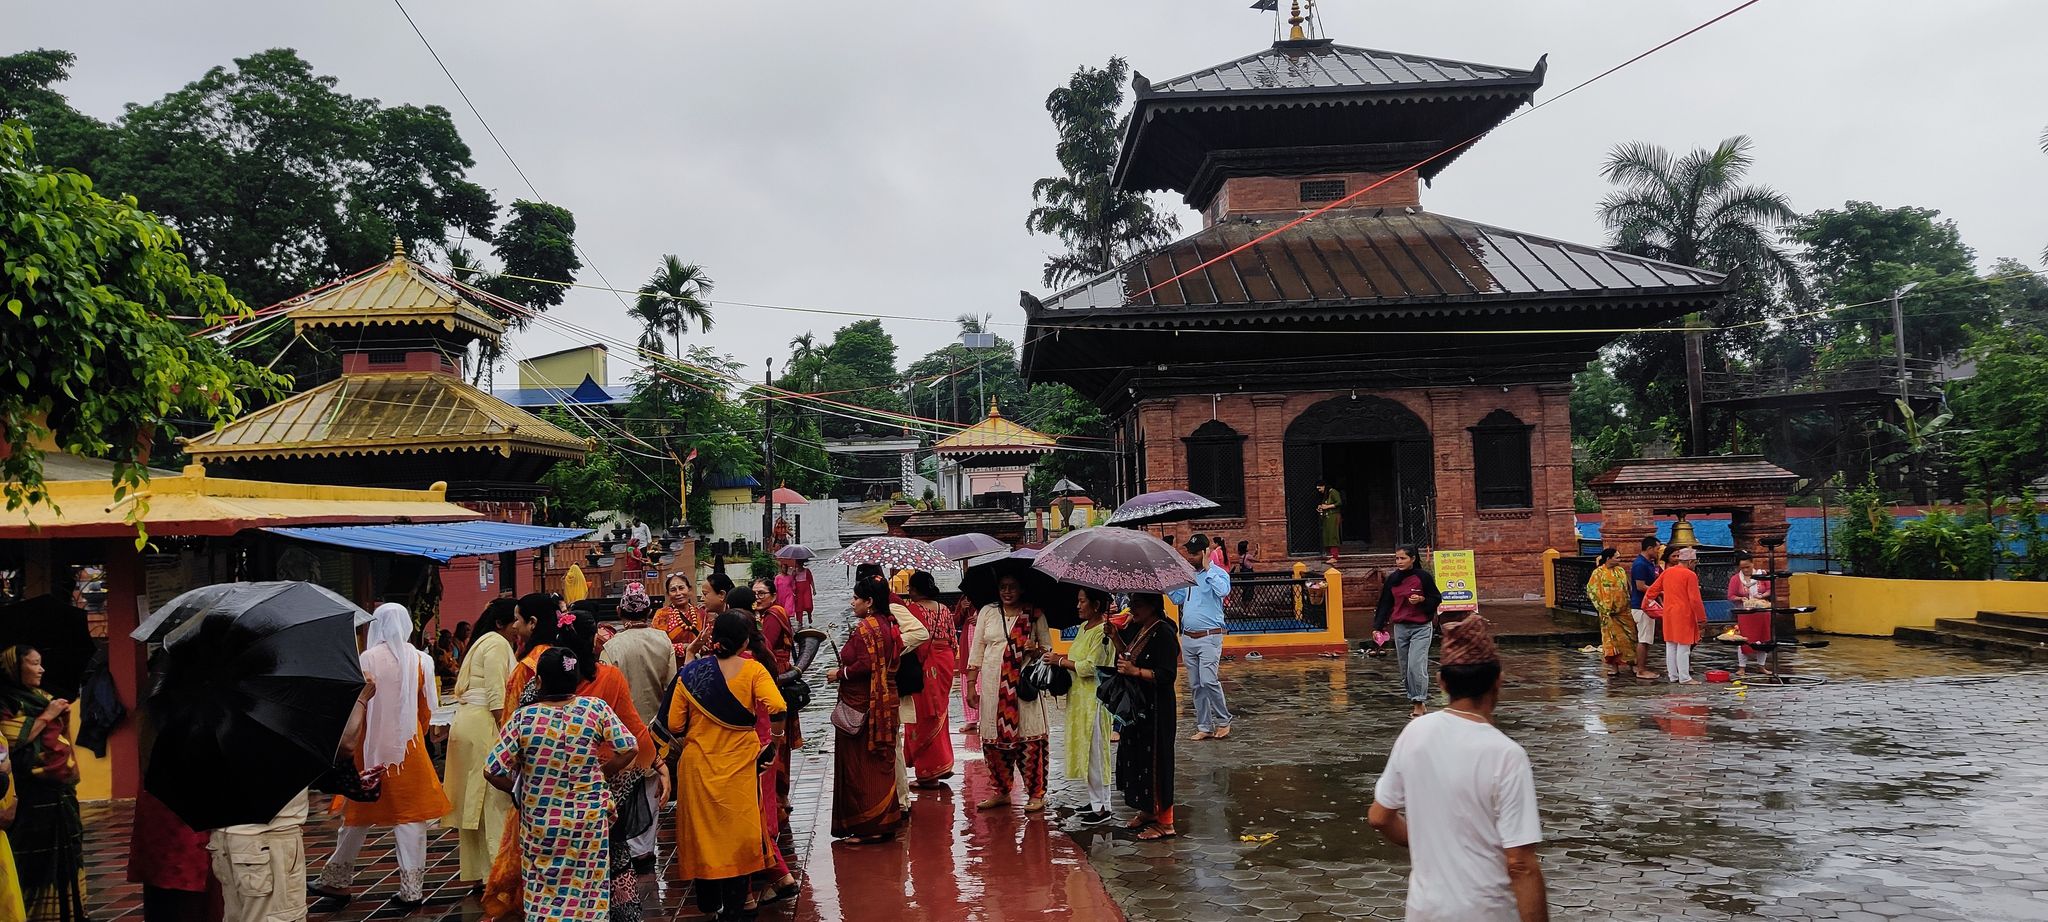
point(2024, 541)
point(1943, 545)
point(762, 566)
point(1869, 536)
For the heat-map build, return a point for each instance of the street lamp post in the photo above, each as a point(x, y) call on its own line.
point(1899, 337)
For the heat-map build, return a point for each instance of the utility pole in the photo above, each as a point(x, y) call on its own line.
point(1899, 337)
point(768, 450)
point(1695, 386)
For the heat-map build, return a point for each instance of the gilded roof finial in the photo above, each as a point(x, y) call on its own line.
point(994, 412)
point(397, 247)
point(1294, 33)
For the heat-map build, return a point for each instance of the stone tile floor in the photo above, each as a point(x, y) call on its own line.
point(1912, 785)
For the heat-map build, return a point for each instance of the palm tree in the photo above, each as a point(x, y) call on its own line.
point(1694, 211)
point(970, 323)
point(672, 298)
point(1100, 224)
point(804, 356)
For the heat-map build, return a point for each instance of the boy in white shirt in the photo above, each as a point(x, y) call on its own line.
point(1459, 795)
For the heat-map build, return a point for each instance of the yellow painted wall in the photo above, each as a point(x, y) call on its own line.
point(1331, 637)
point(1874, 607)
point(565, 369)
point(732, 496)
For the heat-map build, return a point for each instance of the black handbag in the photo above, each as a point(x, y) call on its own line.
point(1119, 695)
point(796, 693)
point(910, 674)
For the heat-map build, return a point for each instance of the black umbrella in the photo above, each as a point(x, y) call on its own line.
point(59, 632)
point(251, 696)
point(239, 597)
point(1054, 598)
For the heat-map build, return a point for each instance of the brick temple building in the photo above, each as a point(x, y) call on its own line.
point(1420, 363)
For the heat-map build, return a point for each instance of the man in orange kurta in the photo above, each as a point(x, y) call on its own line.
point(1685, 614)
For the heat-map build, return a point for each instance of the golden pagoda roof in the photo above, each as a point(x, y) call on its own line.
point(192, 503)
point(383, 413)
point(397, 292)
point(995, 434)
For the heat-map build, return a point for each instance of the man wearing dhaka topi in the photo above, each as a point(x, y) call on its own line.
point(1459, 795)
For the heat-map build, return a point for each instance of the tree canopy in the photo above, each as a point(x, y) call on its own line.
point(92, 348)
point(1100, 224)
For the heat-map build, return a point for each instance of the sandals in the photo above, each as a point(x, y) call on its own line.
point(1156, 832)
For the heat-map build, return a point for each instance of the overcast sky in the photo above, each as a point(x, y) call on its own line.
point(876, 157)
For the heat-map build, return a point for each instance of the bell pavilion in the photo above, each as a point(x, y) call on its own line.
point(1417, 362)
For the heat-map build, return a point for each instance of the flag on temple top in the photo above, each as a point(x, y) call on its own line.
point(1269, 6)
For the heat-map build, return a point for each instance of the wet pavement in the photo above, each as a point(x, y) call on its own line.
point(1911, 784)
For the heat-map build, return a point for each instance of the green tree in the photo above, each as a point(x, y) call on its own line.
point(1695, 210)
point(672, 298)
point(1100, 224)
point(537, 242)
point(282, 183)
point(90, 353)
point(2005, 407)
point(64, 136)
point(1598, 401)
point(1860, 254)
point(859, 368)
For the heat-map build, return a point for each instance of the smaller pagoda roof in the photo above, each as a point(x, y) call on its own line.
point(1692, 474)
point(386, 413)
point(995, 435)
point(396, 293)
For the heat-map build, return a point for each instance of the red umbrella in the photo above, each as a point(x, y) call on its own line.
point(784, 496)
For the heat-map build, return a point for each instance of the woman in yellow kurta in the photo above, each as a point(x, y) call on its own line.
point(395, 740)
point(720, 840)
point(479, 811)
point(1089, 753)
point(11, 909)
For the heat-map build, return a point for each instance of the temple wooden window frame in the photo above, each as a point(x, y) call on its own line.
point(1215, 466)
point(1503, 472)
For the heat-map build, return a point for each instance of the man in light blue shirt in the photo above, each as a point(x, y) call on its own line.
point(1201, 645)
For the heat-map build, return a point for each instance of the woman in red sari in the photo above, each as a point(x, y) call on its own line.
point(865, 722)
point(930, 744)
point(681, 619)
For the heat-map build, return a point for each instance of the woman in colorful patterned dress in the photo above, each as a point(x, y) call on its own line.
point(722, 839)
point(553, 758)
point(1007, 635)
point(48, 836)
point(1608, 590)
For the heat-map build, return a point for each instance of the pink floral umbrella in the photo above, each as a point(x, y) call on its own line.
point(1115, 560)
point(895, 554)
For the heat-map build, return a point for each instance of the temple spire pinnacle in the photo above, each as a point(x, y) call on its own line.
point(1294, 20)
point(994, 412)
point(397, 247)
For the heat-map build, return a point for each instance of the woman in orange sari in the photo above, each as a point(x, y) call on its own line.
point(722, 837)
point(395, 740)
point(576, 631)
point(865, 722)
point(929, 747)
point(681, 619)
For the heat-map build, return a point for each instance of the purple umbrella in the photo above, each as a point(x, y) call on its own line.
point(971, 544)
point(1162, 506)
point(895, 554)
point(1115, 560)
point(795, 552)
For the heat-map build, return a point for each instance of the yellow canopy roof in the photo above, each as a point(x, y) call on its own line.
point(191, 503)
point(395, 293)
point(995, 434)
point(386, 413)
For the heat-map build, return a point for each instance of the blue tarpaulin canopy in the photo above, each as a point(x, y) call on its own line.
point(442, 542)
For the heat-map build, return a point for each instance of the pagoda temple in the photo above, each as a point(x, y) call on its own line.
point(401, 415)
point(984, 465)
point(1419, 363)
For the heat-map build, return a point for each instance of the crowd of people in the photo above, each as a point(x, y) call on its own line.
point(1657, 593)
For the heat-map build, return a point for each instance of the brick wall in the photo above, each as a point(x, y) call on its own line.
point(1510, 543)
point(1281, 194)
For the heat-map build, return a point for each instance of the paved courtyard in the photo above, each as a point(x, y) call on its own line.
point(1913, 784)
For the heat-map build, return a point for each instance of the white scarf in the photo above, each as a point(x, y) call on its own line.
point(400, 671)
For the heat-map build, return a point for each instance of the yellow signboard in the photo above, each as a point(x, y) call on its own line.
point(1457, 577)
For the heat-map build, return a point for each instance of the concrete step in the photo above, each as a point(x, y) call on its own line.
point(1975, 639)
point(2013, 632)
point(2027, 619)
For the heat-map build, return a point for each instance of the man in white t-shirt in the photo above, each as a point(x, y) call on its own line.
point(1458, 794)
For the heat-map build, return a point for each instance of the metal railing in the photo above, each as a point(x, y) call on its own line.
point(1923, 379)
point(1274, 604)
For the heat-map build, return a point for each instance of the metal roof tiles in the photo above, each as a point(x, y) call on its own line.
point(394, 293)
point(1323, 65)
point(386, 413)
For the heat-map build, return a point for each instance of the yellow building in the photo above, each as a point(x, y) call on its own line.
point(567, 369)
